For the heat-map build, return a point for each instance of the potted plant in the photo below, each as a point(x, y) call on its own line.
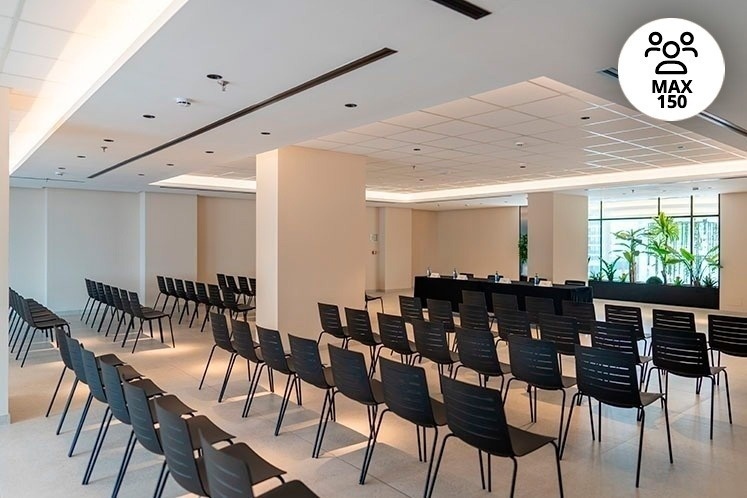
point(609, 269)
point(660, 234)
point(694, 265)
point(523, 252)
point(630, 241)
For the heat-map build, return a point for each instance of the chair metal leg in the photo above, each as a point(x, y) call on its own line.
point(640, 449)
point(125, 463)
point(160, 479)
point(323, 419)
point(568, 424)
point(253, 383)
point(210, 357)
point(163, 482)
point(557, 465)
point(82, 420)
point(284, 404)
point(85, 308)
point(669, 436)
point(713, 392)
point(103, 430)
point(438, 465)
point(207, 317)
point(54, 395)
point(513, 475)
point(67, 405)
point(137, 337)
point(194, 314)
point(231, 361)
point(28, 347)
point(728, 396)
point(372, 412)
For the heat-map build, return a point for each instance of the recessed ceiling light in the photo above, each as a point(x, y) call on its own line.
point(421, 179)
point(522, 165)
point(519, 144)
point(81, 157)
point(141, 174)
point(585, 118)
point(416, 149)
point(59, 173)
point(169, 164)
point(209, 152)
point(264, 132)
point(351, 105)
point(213, 76)
point(62, 168)
point(110, 140)
point(696, 188)
point(149, 116)
point(680, 146)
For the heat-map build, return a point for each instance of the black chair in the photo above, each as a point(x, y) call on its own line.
point(179, 446)
point(536, 306)
point(231, 284)
point(214, 301)
point(274, 355)
point(504, 302)
point(513, 322)
point(406, 395)
point(222, 280)
point(576, 283)
point(367, 298)
point(476, 298)
point(685, 355)
point(45, 323)
point(246, 290)
point(619, 337)
point(673, 320)
point(393, 335)
point(477, 352)
point(628, 315)
point(142, 417)
point(171, 287)
point(147, 315)
point(230, 477)
point(353, 382)
point(432, 343)
point(489, 432)
point(585, 313)
point(359, 329)
point(728, 335)
point(222, 340)
point(309, 368)
point(162, 291)
point(410, 307)
point(66, 365)
point(124, 301)
point(233, 306)
point(181, 293)
point(561, 330)
point(440, 311)
point(329, 316)
point(204, 300)
point(192, 297)
point(91, 298)
point(245, 346)
point(610, 378)
point(474, 317)
point(536, 362)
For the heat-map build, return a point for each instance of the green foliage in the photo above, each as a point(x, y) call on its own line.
point(654, 280)
point(595, 276)
point(708, 281)
point(630, 240)
point(678, 281)
point(609, 269)
point(523, 248)
point(694, 265)
point(623, 277)
point(662, 231)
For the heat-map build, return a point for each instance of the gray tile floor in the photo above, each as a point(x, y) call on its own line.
point(33, 461)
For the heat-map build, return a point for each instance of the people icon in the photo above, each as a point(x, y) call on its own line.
point(671, 50)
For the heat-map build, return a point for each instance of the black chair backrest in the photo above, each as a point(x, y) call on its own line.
point(609, 376)
point(513, 322)
point(229, 298)
point(306, 361)
point(351, 375)
point(116, 299)
point(231, 283)
point(679, 320)
point(141, 418)
point(477, 351)
point(578, 283)
point(137, 310)
point(727, 334)
point(244, 286)
point(393, 333)
point(474, 297)
point(93, 377)
point(271, 345)
point(61, 337)
point(626, 315)
point(410, 307)
point(583, 312)
point(178, 448)
point(202, 294)
point(180, 290)
point(214, 296)
point(562, 330)
point(329, 316)
point(76, 358)
point(473, 316)
point(227, 476)
point(406, 392)
point(431, 341)
point(191, 291)
point(89, 289)
point(221, 335)
point(171, 287)
point(615, 337)
point(440, 311)
point(108, 295)
point(253, 285)
point(161, 284)
point(124, 297)
point(680, 352)
point(359, 326)
point(243, 340)
point(100, 292)
point(504, 302)
point(535, 362)
point(114, 393)
point(536, 306)
point(222, 280)
point(487, 432)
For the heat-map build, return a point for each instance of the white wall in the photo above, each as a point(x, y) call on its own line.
point(373, 275)
point(424, 241)
point(27, 241)
point(4, 255)
point(478, 241)
point(226, 237)
point(733, 281)
point(395, 230)
point(90, 234)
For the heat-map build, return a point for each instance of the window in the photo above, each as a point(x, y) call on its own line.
point(693, 254)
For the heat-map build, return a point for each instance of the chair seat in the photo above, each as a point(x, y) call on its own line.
point(150, 387)
point(111, 359)
point(259, 468)
point(648, 398)
point(525, 442)
point(211, 432)
point(153, 314)
point(51, 323)
point(505, 368)
point(568, 381)
point(328, 377)
point(240, 308)
point(128, 373)
point(292, 489)
point(377, 389)
point(439, 412)
point(172, 404)
point(645, 359)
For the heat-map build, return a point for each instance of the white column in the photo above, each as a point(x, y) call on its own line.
point(4, 233)
point(311, 236)
point(395, 256)
point(557, 229)
point(733, 279)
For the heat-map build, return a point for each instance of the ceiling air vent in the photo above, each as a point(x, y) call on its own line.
point(464, 7)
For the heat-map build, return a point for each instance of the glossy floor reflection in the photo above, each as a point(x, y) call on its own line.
point(34, 462)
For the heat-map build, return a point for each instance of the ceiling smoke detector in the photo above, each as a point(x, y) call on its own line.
point(183, 102)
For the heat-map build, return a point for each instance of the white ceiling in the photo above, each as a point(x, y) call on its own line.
point(420, 96)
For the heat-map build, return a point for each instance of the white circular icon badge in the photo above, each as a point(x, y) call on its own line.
point(671, 69)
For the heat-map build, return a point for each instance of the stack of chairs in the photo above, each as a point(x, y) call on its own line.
point(26, 315)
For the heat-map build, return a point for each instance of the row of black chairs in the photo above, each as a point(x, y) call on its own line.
point(246, 287)
point(125, 307)
point(26, 315)
point(212, 297)
point(165, 426)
